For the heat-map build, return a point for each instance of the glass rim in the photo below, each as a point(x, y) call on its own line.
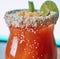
point(12, 18)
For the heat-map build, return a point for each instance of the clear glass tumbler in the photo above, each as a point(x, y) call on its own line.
point(30, 37)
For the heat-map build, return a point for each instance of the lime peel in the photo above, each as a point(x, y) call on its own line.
point(31, 6)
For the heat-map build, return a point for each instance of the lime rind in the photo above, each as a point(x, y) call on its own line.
point(31, 6)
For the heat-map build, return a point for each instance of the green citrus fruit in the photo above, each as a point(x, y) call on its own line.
point(48, 6)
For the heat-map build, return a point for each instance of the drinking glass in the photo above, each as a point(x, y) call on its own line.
point(30, 37)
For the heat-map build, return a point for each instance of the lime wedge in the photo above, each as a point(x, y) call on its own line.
point(48, 6)
point(31, 6)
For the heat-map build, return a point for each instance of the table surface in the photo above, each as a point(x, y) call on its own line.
point(3, 47)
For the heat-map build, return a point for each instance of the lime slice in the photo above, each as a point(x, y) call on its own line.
point(31, 6)
point(48, 6)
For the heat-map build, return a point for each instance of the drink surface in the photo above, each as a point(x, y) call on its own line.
point(31, 43)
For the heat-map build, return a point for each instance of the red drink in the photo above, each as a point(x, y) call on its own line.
point(31, 42)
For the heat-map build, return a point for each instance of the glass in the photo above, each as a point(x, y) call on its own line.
point(31, 42)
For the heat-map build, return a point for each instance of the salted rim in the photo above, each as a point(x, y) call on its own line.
point(11, 18)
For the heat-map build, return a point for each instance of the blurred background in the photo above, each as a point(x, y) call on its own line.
point(6, 5)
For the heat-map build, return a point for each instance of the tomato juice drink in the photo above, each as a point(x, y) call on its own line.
point(31, 35)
